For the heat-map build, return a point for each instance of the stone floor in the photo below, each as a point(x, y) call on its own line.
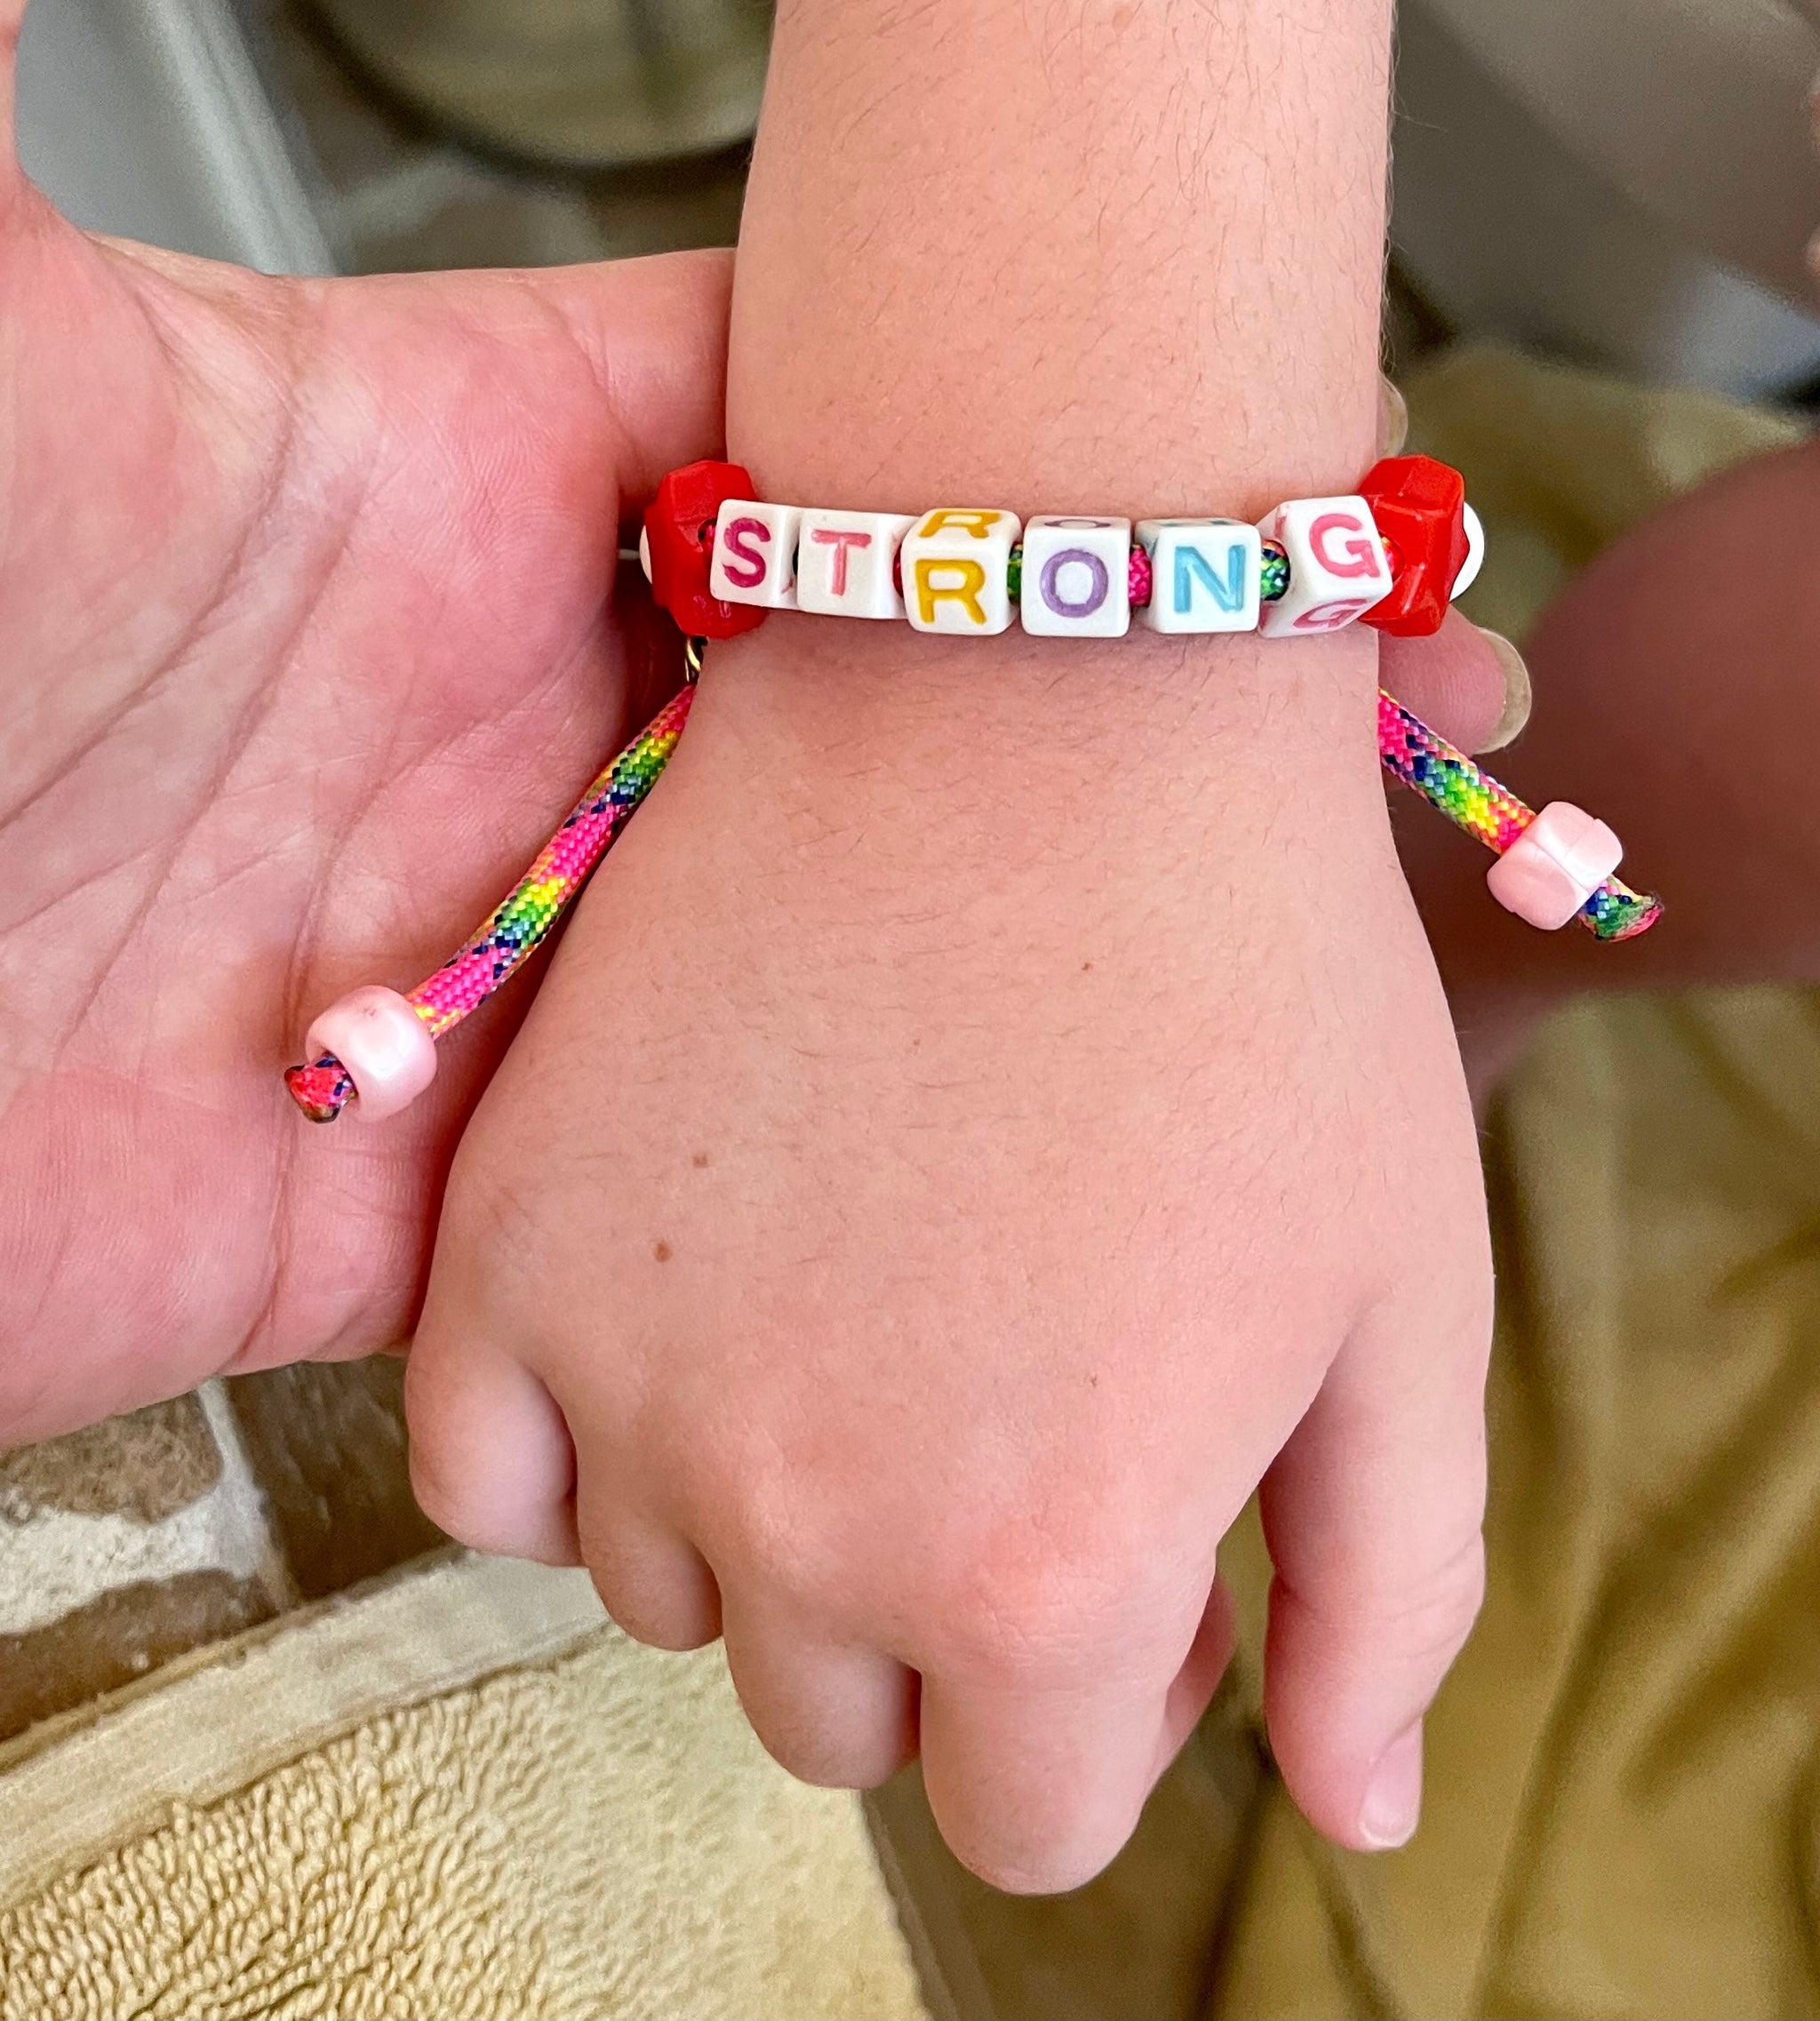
point(140, 1539)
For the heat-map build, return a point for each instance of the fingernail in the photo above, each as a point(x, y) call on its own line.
point(1393, 1802)
point(1392, 418)
point(1518, 696)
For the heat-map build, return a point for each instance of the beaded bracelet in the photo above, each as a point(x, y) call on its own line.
point(1391, 556)
point(1394, 554)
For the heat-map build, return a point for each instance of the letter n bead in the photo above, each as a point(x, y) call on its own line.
point(1337, 566)
point(955, 564)
point(1077, 577)
point(756, 554)
point(1204, 574)
point(845, 562)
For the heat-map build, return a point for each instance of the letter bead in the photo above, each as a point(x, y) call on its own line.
point(1077, 577)
point(845, 562)
point(1205, 574)
point(754, 556)
point(1337, 566)
point(955, 564)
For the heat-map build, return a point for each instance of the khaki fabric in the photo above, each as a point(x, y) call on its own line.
point(456, 1795)
point(1620, 1809)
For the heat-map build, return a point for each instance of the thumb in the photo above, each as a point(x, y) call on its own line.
point(1372, 1512)
point(1471, 685)
point(655, 332)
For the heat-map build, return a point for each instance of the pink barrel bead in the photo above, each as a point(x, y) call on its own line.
point(389, 1056)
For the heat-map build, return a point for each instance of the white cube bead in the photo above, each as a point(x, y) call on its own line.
point(755, 555)
point(1077, 577)
point(1204, 574)
point(954, 562)
point(1337, 566)
point(844, 562)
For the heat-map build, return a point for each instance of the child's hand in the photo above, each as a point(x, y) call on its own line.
point(950, 1163)
point(304, 644)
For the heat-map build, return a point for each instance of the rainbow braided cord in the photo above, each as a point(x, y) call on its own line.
point(509, 934)
point(523, 922)
point(1449, 781)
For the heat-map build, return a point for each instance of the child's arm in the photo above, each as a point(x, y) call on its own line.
point(998, 1106)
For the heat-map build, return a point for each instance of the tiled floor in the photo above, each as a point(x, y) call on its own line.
point(140, 1539)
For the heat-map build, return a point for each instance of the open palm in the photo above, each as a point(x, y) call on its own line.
point(304, 641)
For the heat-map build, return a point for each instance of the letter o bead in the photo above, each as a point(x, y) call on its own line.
point(755, 554)
point(1077, 577)
point(1337, 566)
point(955, 564)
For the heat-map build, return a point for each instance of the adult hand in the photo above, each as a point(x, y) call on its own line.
point(305, 642)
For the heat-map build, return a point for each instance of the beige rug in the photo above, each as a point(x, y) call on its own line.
point(456, 1793)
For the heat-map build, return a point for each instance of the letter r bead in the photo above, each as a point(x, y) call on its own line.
point(956, 563)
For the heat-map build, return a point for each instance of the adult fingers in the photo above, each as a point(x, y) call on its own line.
point(1470, 684)
point(491, 1461)
point(1373, 1511)
point(1392, 417)
point(842, 1717)
point(12, 14)
point(1192, 1689)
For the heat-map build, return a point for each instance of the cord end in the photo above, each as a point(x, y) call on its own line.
point(320, 1089)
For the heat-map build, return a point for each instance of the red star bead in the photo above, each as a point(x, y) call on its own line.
point(679, 531)
point(1419, 506)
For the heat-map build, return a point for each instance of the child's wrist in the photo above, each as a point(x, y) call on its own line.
point(860, 700)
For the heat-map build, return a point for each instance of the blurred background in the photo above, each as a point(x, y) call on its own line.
point(1628, 183)
point(1600, 211)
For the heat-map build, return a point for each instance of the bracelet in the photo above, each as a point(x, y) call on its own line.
point(1393, 555)
point(1408, 534)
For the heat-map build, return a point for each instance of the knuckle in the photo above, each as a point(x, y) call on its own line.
point(1427, 1620)
point(456, 1513)
point(1021, 1609)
